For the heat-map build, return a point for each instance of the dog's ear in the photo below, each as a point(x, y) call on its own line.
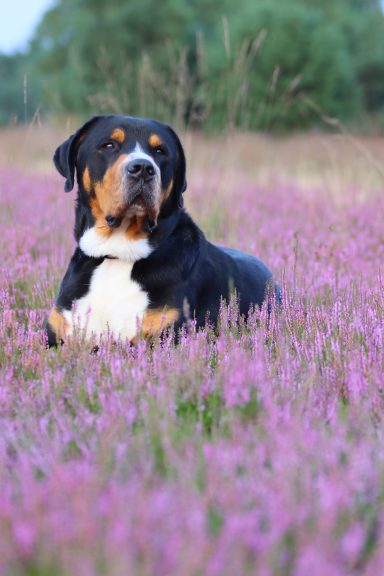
point(65, 155)
point(180, 184)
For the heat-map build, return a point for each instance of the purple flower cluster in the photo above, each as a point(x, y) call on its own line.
point(253, 449)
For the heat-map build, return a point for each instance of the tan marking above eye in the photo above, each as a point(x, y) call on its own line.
point(155, 140)
point(118, 134)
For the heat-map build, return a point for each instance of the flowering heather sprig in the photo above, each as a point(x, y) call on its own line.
point(251, 449)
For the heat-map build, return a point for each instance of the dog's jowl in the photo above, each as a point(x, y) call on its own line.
point(139, 257)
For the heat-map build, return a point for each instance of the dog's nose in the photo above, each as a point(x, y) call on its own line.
point(141, 168)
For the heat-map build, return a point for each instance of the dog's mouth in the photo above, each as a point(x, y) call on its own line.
point(140, 202)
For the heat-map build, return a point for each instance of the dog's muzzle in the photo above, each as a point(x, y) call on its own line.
point(142, 187)
point(141, 193)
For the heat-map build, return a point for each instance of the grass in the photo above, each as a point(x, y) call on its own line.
point(256, 449)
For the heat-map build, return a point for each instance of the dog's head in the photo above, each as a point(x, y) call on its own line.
point(128, 170)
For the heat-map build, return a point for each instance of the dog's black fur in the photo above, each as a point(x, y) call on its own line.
point(183, 266)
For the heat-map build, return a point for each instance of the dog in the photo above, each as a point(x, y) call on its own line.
point(140, 260)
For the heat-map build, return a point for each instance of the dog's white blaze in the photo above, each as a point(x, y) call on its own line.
point(114, 303)
point(139, 154)
point(117, 245)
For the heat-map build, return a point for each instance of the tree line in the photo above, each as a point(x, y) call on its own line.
point(265, 65)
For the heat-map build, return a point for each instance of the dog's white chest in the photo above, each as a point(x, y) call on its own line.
point(115, 303)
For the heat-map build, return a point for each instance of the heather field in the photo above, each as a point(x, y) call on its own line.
point(256, 449)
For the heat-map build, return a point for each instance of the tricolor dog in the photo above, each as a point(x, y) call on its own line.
point(139, 257)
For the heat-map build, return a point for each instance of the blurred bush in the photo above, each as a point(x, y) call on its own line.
point(266, 65)
point(300, 52)
point(20, 91)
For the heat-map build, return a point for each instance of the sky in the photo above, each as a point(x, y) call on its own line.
point(18, 21)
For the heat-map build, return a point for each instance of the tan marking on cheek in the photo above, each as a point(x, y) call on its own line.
point(87, 182)
point(135, 229)
point(154, 140)
point(101, 225)
point(118, 134)
point(58, 324)
point(158, 319)
point(109, 195)
point(168, 191)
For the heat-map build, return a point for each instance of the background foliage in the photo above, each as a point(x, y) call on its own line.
point(261, 65)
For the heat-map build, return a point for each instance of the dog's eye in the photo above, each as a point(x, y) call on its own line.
point(160, 150)
point(110, 146)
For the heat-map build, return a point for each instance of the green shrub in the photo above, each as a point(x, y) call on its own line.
point(19, 90)
point(302, 54)
point(270, 65)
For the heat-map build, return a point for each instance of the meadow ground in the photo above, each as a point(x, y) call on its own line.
point(255, 450)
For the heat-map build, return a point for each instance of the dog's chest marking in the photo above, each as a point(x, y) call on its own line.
point(116, 245)
point(115, 303)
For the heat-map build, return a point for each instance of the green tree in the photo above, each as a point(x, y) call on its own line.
point(300, 56)
point(266, 65)
point(93, 54)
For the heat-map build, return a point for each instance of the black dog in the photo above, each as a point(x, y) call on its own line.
point(140, 258)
